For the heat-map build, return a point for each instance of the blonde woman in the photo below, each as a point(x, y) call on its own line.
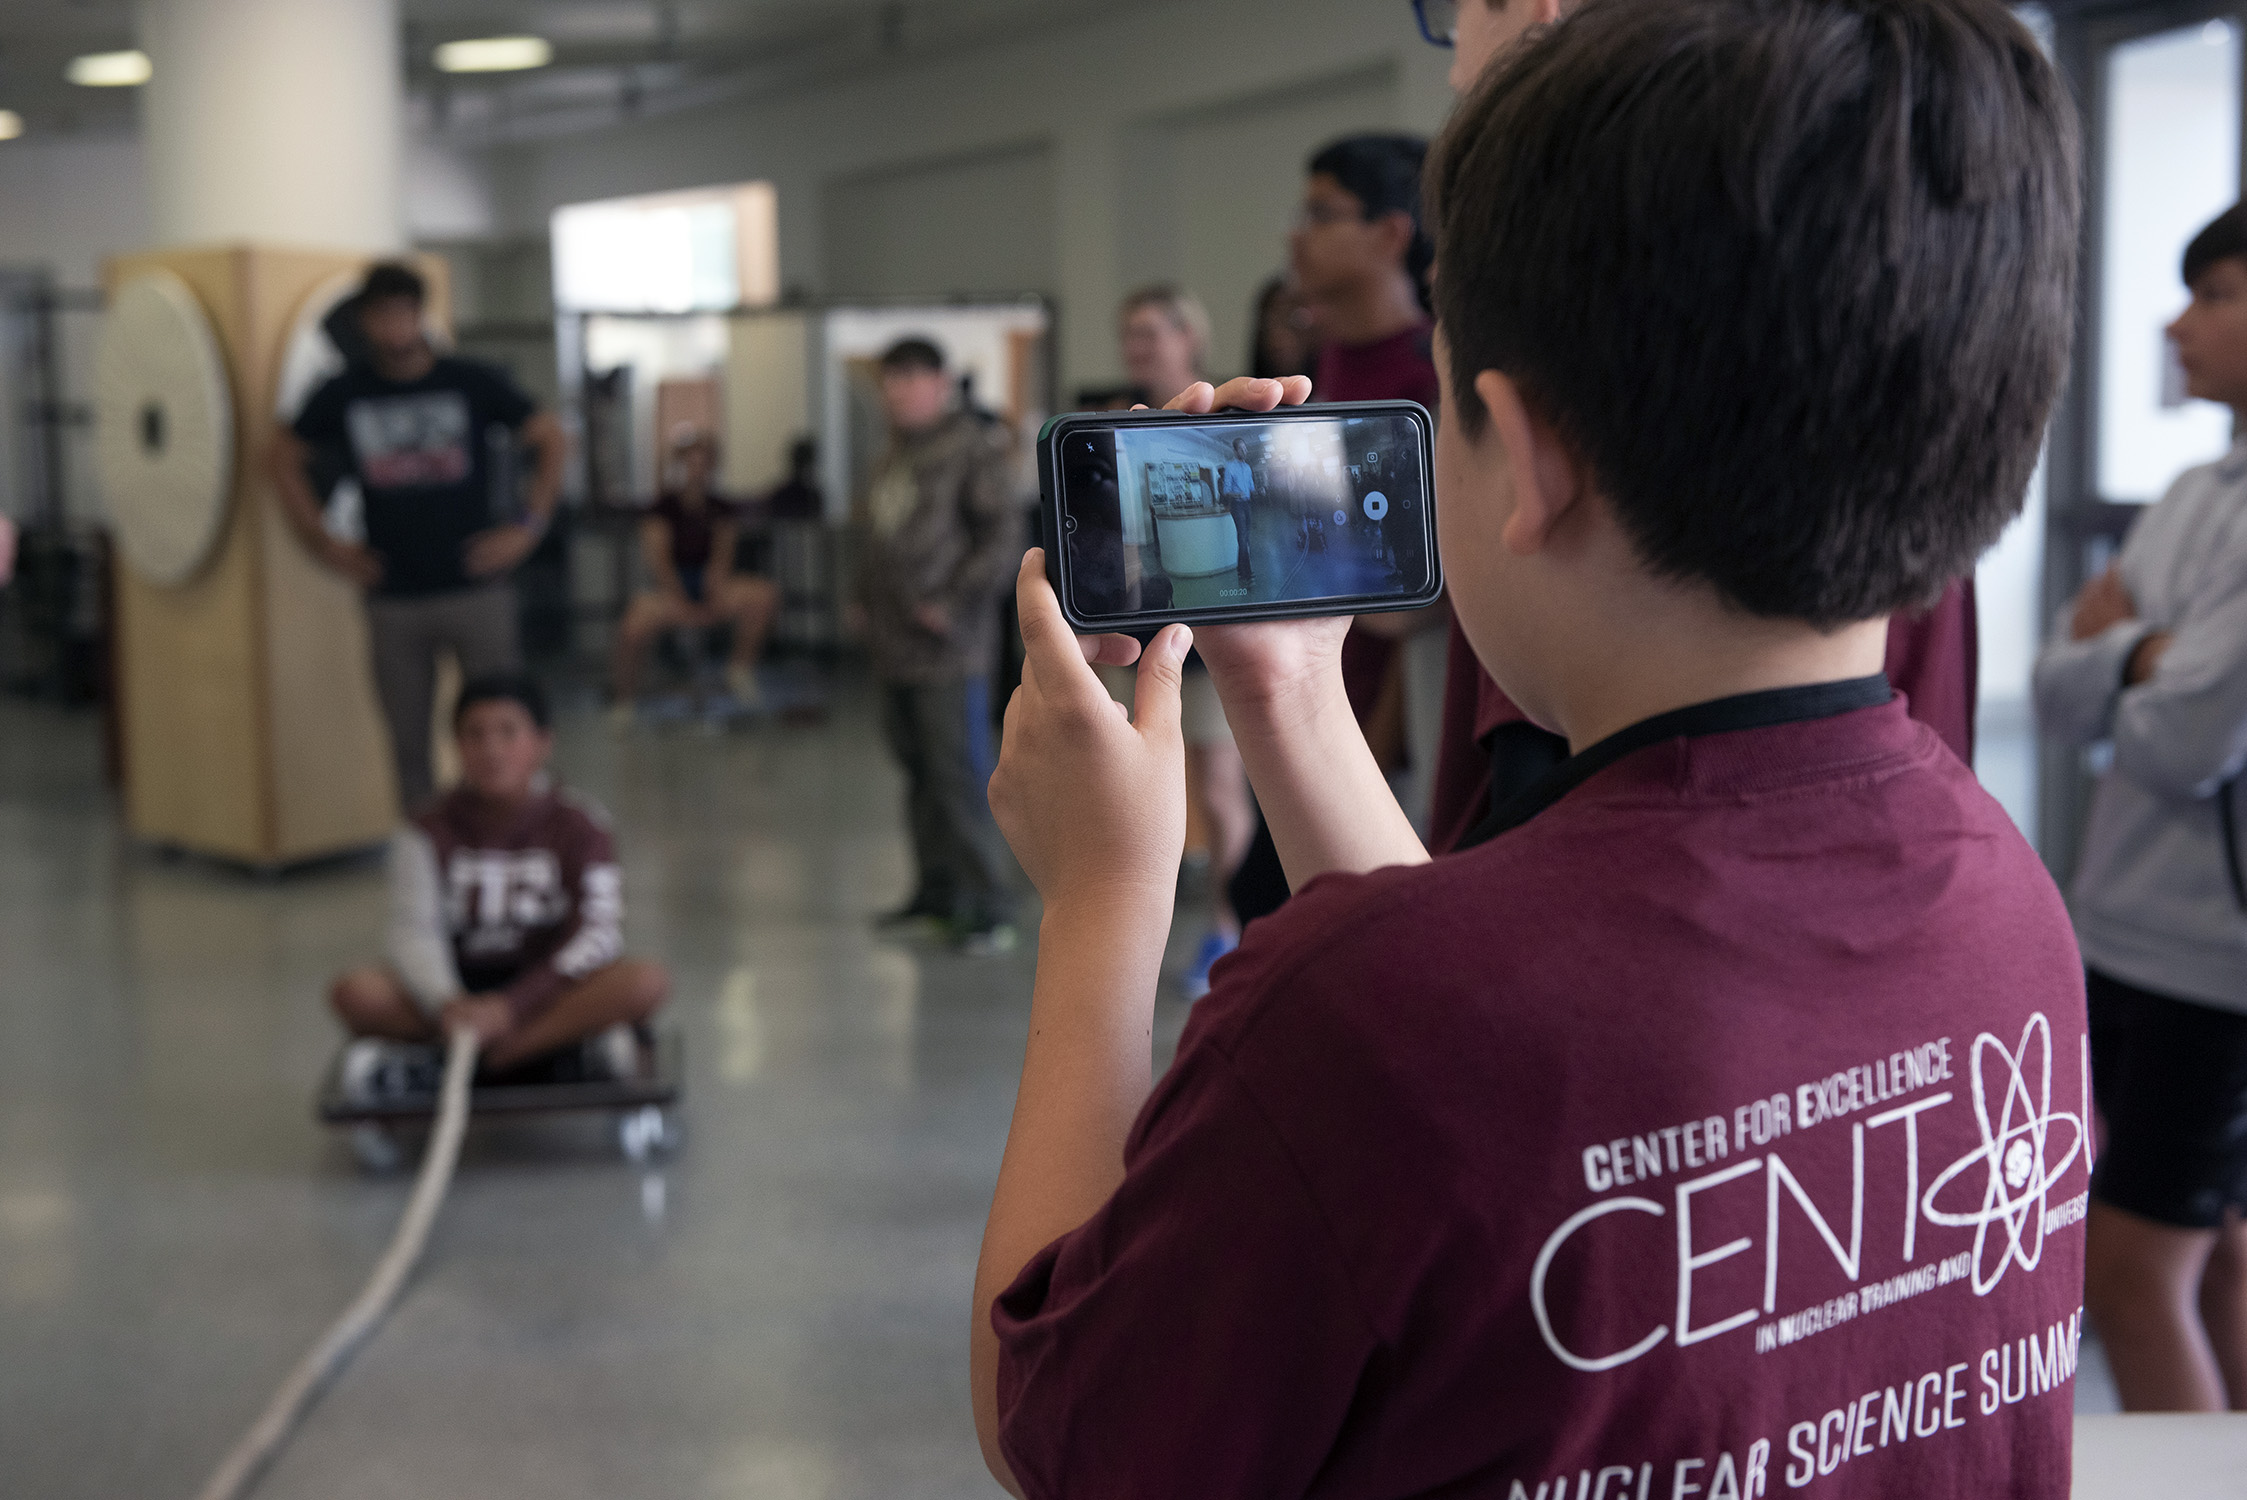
point(1163, 332)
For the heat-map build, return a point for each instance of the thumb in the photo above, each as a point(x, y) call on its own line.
point(1162, 669)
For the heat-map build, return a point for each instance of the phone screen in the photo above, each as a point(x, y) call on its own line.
point(1247, 513)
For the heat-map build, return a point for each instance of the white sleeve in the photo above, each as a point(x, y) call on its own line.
point(2183, 731)
point(420, 950)
point(2078, 682)
point(599, 939)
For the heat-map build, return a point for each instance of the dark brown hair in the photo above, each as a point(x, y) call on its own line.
point(2221, 238)
point(912, 353)
point(519, 688)
point(1794, 279)
point(392, 278)
point(1383, 173)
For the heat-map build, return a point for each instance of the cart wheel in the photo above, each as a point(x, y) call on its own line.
point(645, 1132)
point(376, 1148)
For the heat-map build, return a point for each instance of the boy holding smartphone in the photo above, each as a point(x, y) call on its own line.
point(1488, 748)
point(1715, 1123)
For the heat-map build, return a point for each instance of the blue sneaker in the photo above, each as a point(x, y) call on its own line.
point(1195, 981)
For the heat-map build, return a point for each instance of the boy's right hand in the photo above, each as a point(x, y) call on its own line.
point(359, 564)
point(1092, 801)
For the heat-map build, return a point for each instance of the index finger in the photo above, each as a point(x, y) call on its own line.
point(1243, 393)
point(1051, 647)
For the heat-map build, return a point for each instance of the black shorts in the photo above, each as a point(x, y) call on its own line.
point(2171, 1078)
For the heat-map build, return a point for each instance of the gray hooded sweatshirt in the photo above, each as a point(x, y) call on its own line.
point(2152, 899)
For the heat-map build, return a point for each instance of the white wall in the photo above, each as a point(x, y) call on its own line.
point(938, 229)
point(67, 204)
point(70, 203)
point(1226, 180)
point(447, 194)
point(1244, 89)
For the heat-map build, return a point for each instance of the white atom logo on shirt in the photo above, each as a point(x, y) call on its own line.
point(2017, 1150)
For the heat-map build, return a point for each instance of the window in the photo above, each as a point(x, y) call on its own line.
point(2172, 164)
point(703, 251)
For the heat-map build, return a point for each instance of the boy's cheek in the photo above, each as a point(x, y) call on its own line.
point(1470, 501)
point(2230, 332)
point(1471, 510)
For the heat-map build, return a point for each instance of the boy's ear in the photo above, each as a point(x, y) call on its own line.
point(1545, 477)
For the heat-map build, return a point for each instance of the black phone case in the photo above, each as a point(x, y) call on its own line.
point(1051, 520)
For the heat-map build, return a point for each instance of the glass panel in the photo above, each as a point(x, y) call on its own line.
point(2172, 164)
point(2008, 590)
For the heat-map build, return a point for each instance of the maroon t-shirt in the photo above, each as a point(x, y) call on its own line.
point(1720, 1125)
point(533, 899)
point(1400, 367)
point(1934, 659)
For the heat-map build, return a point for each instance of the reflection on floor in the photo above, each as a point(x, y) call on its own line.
point(779, 1312)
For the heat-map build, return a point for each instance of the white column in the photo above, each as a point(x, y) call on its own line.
point(276, 121)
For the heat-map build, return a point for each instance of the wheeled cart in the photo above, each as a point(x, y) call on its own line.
point(645, 1106)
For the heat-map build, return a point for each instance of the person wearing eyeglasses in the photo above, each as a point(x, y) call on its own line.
point(1488, 748)
point(1360, 255)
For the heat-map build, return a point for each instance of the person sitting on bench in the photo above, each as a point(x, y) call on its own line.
point(507, 915)
point(688, 543)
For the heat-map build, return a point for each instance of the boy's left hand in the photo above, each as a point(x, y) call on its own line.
point(2103, 603)
point(1093, 802)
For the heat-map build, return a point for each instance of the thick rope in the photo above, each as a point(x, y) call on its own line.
point(241, 1468)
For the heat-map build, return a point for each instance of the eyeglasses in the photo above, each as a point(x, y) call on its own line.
point(1439, 21)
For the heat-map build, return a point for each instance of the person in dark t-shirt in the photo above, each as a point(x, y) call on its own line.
point(1716, 1120)
point(418, 431)
point(687, 544)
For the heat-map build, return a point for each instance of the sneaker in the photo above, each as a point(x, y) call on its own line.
point(741, 686)
point(988, 940)
point(1195, 981)
point(614, 1055)
point(916, 918)
point(377, 1071)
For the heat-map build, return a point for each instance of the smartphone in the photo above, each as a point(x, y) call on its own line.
point(1154, 516)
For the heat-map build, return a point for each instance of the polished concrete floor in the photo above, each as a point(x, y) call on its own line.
point(778, 1313)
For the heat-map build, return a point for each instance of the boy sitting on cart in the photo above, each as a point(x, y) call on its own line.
point(506, 915)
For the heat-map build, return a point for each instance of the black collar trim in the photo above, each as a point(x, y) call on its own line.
point(1788, 705)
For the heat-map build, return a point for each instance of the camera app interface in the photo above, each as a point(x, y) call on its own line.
point(1210, 516)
